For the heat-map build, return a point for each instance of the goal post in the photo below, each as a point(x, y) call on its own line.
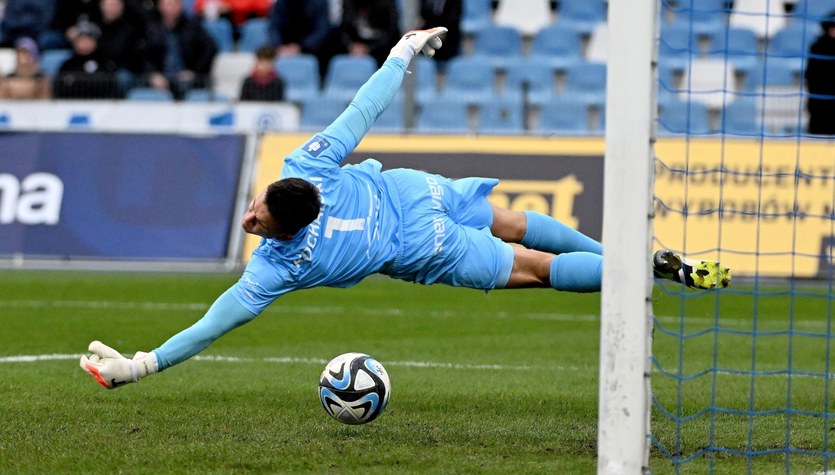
point(625, 343)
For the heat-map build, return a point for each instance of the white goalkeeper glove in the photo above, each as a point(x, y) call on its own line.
point(112, 370)
point(426, 41)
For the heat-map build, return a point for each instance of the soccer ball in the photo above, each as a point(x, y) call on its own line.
point(354, 388)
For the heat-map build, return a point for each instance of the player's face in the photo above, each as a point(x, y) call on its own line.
point(257, 220)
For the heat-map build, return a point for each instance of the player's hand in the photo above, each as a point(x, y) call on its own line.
point(112, 370)
point(427, 41)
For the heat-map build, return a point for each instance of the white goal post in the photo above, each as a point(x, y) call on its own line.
point(625, 343)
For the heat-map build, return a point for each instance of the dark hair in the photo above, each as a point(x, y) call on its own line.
point(293, 203)
point(266, 52)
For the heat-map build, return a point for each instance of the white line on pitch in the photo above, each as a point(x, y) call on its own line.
point(291, 360)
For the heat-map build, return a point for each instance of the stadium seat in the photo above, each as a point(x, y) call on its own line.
point(794, 40)
point(392, 119)
point(586, 83)
point(582, 15)
point(8, 60)
point(676, 45)
point(700, 16)
point(469, 79)
point(813, 11)
point(501, 117)
point(476, 15)
point(765, 18)
point(499, 44)
point(204, 95)
point(346, 74)
point(710, 81)
point(425, 72)
point(773, 72)
point(318, 112)
point(301, 76)
point(229, 71)
point(739, 45)
point(531, 80)
point(680, 117)
point(52, 59)
point(149, 94)
point(740, 118)
point(221, 31)
point(255, 33)
point(563, 116)
point(558, 46)
point(527, 17)
point(443, 116)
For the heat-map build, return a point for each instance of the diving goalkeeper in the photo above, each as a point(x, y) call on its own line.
point(323, 224)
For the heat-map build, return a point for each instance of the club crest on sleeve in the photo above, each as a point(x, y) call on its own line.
point(316, 145)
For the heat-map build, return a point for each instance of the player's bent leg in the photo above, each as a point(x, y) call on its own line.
point(541, 232)
point(571, 272)
point(509, 226)
point(703, 274)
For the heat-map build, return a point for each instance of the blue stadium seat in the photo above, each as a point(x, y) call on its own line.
point(149, 95)
point(700, 16)
point(531, 77)
point(498, 43)
point(794, 40)
point(557, 45)
point(680, 117)
point(469, 79)
point(740, 45)
point(740, 118)
point(773, 72)
point(501, 117)
point(443, 116)
point(563, 116)
point(318, 112)
point(221, 32)
point(476, 15)
point(204, 95)
point(346, 74)
point(426, 75)
point(52, 59)
point(586, 82)
point(392, 119)
point(582, 15)
point(813, 10)
point(255, 33)
point(676, 45)
point(301, 76)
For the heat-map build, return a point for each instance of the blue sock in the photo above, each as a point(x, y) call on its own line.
point(577, 272)
point(545, 233)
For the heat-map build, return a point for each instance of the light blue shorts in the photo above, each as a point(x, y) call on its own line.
point(445, 232)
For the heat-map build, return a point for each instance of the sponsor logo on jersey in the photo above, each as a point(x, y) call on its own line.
point(436, 191)
point(316, 146)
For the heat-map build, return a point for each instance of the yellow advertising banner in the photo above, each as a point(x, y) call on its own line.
point(764, 208)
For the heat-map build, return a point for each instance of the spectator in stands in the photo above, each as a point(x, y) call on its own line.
point(301, 27)
point(86, 74)
point(27, 81)
point(820, 80)
point(444, 12)
point(180, 51)
point(122, 41)
point(25, 18)
point(263, 84)
point(369, 27)
point(69, 13)
point(236, 11)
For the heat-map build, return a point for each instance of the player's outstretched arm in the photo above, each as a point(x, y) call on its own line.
point(112, 370)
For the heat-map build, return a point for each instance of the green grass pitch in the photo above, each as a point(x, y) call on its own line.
point(504, 382)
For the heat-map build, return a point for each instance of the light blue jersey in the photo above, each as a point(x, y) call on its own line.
point(404, 223)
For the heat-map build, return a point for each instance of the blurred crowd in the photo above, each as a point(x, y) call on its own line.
point(114, 46)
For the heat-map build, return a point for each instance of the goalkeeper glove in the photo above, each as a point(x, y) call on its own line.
point(112, 370)
point(418, 40)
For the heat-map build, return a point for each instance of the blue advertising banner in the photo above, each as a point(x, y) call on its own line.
point(117, 196)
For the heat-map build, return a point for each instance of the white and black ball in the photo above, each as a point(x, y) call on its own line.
point(354, 388)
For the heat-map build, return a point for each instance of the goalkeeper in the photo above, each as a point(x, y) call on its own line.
point(327, 225)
